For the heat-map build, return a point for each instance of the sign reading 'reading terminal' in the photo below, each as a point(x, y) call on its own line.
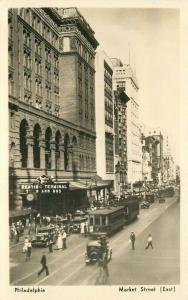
point(56, 188)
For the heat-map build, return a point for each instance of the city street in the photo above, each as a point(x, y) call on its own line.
point(67, 267)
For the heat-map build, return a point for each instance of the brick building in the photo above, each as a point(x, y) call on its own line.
point(51, 104)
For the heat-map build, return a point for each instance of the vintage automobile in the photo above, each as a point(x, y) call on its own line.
point(41, 239)
point(75, 224)
point(161, 199)
point(150, 197)
point(94, 252)
point(145, 204)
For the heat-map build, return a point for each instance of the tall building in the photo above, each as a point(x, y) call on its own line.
point(124, 77)
point(146, 161)
point(104, 118)
point(120, 131)
point(51, 106)
point(151, 146)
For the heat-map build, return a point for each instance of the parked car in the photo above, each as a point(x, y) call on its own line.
point(75, 224)
point(150, 197)
point(161, 199)
point(94, 252)
point(41, 239)
point(145, 204)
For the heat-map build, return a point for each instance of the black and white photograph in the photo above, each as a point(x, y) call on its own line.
point(94, 168)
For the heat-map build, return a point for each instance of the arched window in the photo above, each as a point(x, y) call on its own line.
point(48, 136)
point(66, 153)
point(36, 146)
point(57, 150)
point(23, 143)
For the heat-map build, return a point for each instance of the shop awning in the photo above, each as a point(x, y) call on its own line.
point(77, 185)
point(104, 183)
point(83, 185)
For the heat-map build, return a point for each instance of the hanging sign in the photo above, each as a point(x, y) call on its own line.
point(54, 188)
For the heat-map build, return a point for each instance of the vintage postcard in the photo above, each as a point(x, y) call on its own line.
point(94, 144)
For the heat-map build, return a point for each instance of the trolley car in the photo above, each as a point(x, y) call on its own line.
point(106, 220)
point(131, 210)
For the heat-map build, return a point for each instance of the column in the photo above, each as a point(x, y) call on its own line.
point(30, 152)
point(62, 158)
point(75, 159)
point(53, 158)
point(14, 191)
point(70, 157)
point(42, 154)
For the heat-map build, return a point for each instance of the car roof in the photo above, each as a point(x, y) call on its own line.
point(46, 228)
point(105, 211)
point(94, 243)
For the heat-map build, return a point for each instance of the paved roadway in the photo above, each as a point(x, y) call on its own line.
point(67, 267)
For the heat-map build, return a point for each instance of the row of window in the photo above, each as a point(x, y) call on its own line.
point(35, 22)
point(108, 74)
point(108, 118)
point(87, 162)
point(120, 84)
point(48, 54)
point(108, 88)
point(109, 149)
point(84, 53)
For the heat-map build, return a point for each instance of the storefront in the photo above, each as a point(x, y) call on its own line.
point(55, 198)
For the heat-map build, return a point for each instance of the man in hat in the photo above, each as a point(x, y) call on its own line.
point(149, 242)
point(44, 264)
point(132, 238)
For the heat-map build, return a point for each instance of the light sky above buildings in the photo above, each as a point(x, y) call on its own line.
point(149, 40)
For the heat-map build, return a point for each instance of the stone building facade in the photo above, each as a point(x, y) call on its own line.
point(125, 78)
point(120, 131)
point(104, 117)
point(51, 100)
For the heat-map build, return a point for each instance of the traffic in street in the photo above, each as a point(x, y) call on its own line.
point(127, 266)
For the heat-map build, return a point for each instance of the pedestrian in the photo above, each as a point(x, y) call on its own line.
point(132, 238)
point(50, 243)
point(28, 250)
point(85, 230)
point(149, 242)
point(29, 229)
point(59, 241)
point(103, 268)
point(82, 226)
point(64, 238)
point(17, 235)
point(44, 265)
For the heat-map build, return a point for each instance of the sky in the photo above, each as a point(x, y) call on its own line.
point(149, 40)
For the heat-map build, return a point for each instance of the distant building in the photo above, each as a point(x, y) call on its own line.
point(151, 146)
point(120, 130)
point(124, 77)
point(146, 161)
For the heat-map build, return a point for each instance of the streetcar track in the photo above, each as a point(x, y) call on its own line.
point(114, 240)
point(51, 262)
point(57, 270)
